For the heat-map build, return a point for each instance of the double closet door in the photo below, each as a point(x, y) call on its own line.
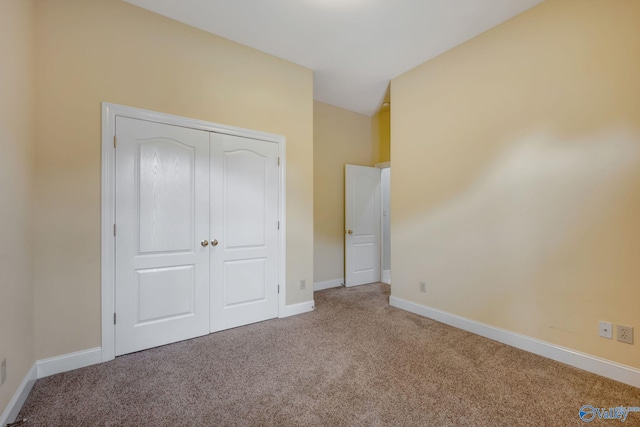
point(196, 233)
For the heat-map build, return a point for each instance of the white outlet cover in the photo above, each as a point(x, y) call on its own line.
point(625, 334)
point(606, 330)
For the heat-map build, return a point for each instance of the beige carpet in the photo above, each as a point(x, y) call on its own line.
point(354, 361)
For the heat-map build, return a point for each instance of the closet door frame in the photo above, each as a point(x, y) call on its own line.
point(108, 225)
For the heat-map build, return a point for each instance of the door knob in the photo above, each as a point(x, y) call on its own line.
point(204, 243)
point(349, 231)
point(214, 242)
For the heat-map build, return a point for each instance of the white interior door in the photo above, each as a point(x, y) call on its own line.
point(362, 221)
point(162, 215)
point(244, 231)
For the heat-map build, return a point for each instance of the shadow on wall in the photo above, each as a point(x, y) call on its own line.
point(543, 201)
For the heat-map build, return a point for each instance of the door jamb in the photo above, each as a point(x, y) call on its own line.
point(109, 114)
point(384, 165)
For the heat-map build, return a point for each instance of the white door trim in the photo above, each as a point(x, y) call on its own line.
point(385, 275)
point(109, 113)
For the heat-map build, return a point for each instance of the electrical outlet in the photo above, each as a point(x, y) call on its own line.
point(625, 334)
point(3, 371)
point(606, 330)
point(303, 284)
point(423, 287)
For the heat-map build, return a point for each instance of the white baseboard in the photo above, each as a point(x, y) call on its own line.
point(606, 368)
point(93, 356)
point(68, 362)
point(15, 404)
point(43, 368)
point(386, 276)
point(295, 309)
point(321, 286)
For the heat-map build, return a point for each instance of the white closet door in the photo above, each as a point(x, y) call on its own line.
point(362, 220)
point(244, 231)
point(162, 216)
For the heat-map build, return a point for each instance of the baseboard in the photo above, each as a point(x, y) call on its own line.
point(321, 286)
point(295, 309)
point(386, 276)
point(93, 356)
point(15, 404)
point(68, 362)
point(606, 368)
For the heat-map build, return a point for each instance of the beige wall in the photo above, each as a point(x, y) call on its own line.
point(381, 136)
point(108, 50)
point(516, 179)
point(16, 146)
point(340, 137)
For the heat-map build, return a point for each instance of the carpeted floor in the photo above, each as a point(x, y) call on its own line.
point(354, 361)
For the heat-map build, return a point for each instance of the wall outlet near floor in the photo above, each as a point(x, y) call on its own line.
point(423, 287)
point(606, 330)
point(3, 371)
point(303, 284)
point(625, 334)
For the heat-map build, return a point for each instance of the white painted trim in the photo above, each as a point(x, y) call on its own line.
point(169, 119)
point(381, 229)
point(383, 278)
point(606, 368)
point(386, 276)
point(109, 113)
point(44, 368)
point(108, 218)
point(20, 396)
point(328, 284)
point(282, 243)
point(295, 309)
point(68, 362)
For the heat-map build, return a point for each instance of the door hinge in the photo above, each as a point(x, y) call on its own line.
point(278, 161)
point(114, 318)
point(278, 288)
point(115, 144)
point(114, 229)
point(278, 225)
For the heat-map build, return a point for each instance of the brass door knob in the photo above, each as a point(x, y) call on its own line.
point(204, 243)
point(214, 242)
point(349, 231)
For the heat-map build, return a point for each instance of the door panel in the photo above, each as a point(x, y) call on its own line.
point(251, 274)
point(245, 179)
point(162, 213)
point(165, 293)
point(244, 219)
point(364, 254)
point(165, 180)
point(362, 218)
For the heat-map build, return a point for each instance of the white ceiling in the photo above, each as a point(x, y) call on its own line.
point(354, 47)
